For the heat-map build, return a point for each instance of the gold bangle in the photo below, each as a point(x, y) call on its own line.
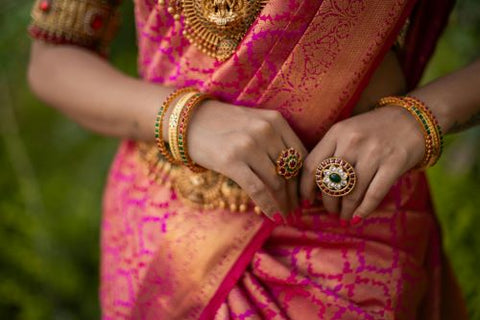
point(159, 122)
point(438, 136)
point(173, 124)
point(428, 123)
point(190, 106)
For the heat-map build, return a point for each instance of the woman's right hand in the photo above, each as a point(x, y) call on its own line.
point(243, 144)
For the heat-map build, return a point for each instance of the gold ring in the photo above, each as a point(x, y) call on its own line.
point(289, 162)
point(335, 177)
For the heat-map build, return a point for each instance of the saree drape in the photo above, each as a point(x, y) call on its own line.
point(310, 60)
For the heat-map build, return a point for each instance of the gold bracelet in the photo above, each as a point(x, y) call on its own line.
point(187, 111)
point(428, 123)
point(438, 136)
point(159, 122)
point(173, 124)
point(87, 23)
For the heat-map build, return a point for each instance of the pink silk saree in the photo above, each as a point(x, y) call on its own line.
point(310, 60)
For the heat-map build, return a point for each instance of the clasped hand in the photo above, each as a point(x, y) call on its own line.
point(244, 143)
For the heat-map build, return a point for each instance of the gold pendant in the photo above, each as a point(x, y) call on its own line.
point(216, 27)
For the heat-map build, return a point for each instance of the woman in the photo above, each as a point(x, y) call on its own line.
point(289, 74)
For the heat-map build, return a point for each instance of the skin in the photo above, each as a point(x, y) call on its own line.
point(243, 143)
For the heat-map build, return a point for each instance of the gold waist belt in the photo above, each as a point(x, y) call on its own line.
point(205, 190)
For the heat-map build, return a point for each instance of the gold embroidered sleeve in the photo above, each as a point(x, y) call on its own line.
point(87, 23)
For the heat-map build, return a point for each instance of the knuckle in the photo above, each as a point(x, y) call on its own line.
point(309, 166)
point(229, 155)
point(374, 197)
point(255, 189)
point(351, 200)
point(244, 143)
point(354, 138)
point(262, 128)
point(273, 115)
point(278, 185)
point(402, 156)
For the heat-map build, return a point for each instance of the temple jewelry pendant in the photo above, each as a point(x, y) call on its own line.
point(216, 27)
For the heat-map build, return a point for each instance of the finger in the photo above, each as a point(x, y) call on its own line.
point(324, 149)
point(256, 189)
point(365, 170)
point(291, 184)
point(292, 190)
point(265, 169)
point(288, 136)
point(377, 190)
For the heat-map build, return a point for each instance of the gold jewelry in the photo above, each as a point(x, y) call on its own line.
point(159, 122)
point(215, 27)
point(438, 134)
point(173, 124)
point(88, 23)
point(428, 123)
point(206, 190)
point(289, 163)
point(335, 177)
point(182, 132)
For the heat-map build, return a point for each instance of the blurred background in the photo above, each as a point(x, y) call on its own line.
point(52, 174)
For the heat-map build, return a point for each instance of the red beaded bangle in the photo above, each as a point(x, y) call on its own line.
point(183, 130)
point(159, 123)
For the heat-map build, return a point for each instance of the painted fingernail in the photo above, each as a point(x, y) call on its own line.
point(297, 212)
point(306, 204)
point(343, 222)
point(278, 218)
point(356, 220)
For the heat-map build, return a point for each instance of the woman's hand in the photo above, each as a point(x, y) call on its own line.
point(381, 145)
point(243, 144)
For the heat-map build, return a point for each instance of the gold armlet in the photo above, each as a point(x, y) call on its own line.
point(87, 23)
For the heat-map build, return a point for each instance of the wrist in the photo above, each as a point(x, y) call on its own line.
point(440, 109)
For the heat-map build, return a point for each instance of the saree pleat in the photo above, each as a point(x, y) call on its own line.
point(162, 259)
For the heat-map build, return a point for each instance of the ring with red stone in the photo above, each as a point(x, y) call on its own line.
point(335, 177)
point(289, 163)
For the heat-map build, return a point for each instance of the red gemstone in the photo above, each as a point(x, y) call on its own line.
point(44, 5)
point(97, 22)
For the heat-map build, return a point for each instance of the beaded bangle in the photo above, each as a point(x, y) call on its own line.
point(183, 131)
point(438, 130)
point(431, 129)
point(159, 123)
point(173, 124)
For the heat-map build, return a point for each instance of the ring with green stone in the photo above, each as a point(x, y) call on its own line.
point(335, 177)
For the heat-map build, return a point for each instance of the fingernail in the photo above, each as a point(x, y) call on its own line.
point(343, 222)
point(270, 216)
point(278, 218)
point(297, 212)
point(356, 220)
point(307, 204)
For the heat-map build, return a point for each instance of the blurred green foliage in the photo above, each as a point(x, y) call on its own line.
point(53, 173)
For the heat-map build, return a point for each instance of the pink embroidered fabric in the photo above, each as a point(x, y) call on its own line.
point(164, 260)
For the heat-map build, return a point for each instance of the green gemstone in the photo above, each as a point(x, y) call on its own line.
point(335, 178)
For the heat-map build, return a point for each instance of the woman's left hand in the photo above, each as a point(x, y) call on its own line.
point(381, 145)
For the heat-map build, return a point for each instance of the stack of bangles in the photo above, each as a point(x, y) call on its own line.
point(337, 178)
point(427, 121)
point(187, 99)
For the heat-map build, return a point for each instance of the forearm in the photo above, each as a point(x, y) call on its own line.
point(455, 98)
point(93, 93)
